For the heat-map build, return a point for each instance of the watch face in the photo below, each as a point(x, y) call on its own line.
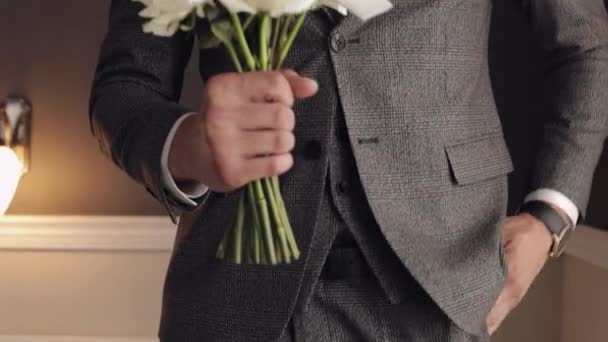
point(562, 240)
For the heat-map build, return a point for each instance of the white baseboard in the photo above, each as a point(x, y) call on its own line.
point(86, 233)
point(156, 233)
point(21, 338)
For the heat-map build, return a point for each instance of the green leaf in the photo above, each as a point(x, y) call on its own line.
point(212, 12)
point(223, 31)
point(248, 21)
point(211, 42)
point(188, 23)
point(206, 38)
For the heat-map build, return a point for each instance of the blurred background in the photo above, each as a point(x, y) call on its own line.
point(62, 275)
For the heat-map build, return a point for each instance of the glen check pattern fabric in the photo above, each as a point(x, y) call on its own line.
point(356, 310)
point(353, 210)
point(414, 81)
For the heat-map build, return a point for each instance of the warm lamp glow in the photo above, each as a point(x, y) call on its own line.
point(10, 173)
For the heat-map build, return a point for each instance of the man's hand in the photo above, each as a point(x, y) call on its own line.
point(244, 131)
point(526, 242)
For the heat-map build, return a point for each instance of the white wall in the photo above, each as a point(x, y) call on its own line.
point(81, 293)
point(584, 302)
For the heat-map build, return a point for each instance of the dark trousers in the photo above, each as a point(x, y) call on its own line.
point(352, 307)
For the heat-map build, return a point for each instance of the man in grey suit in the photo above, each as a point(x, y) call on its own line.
point(393, 164)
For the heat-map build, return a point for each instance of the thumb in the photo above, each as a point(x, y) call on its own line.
point(300, 86)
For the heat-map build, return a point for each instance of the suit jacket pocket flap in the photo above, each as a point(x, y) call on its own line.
point(478, 160)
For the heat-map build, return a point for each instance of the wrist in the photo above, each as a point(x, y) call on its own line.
point(185, 145)
point(539, 229)
point(555, 222)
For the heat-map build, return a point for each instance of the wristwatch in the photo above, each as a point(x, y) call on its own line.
point(558, 224)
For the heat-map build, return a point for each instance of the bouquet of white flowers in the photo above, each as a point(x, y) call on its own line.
point(261, 232)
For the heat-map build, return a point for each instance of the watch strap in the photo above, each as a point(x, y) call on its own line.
point(546, 213)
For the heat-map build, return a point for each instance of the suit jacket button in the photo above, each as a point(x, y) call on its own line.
point(343, 187)
point(313, 150)
point(337, 42)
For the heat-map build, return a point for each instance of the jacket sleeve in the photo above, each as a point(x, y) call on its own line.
point(134, 97)
point(573, 36)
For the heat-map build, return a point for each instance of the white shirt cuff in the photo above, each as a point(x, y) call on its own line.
point(183, 195)
point(557, 199)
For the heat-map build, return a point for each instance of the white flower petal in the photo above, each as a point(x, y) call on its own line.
point(149, 12)
point(158, 29)
point(335, 5)
point(200, 11)
point(166, 15)
point(274, 7)
point(238, 6)
point(278, 7)
point(145, 2)
point(366, 9)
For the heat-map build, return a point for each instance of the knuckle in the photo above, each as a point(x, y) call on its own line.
point(212, 83)
point(290, 143)
point(279, 86)
point(274, 167)
point(288, 118)
point(215, 83)
point(216, 86)
point(282, 141)
point(284, 117)
point(222, 79)
point(276, 80)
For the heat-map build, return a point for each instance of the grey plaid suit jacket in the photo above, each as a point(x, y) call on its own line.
point(416, 80)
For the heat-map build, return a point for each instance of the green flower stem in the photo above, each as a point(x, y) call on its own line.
point(248, 21)
point(283, 31)
point(278, 221)
point(263, 257)
point(262, 206)
point(274, 45)
point(240, 35)
point(261, 232)
point(247, 233)
point(237, 252)
point(280, 258)
point(255, 240)
point(293, 245)
point(256, 223)
point(290, 39)
point(234, 57)
point(263, 40)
